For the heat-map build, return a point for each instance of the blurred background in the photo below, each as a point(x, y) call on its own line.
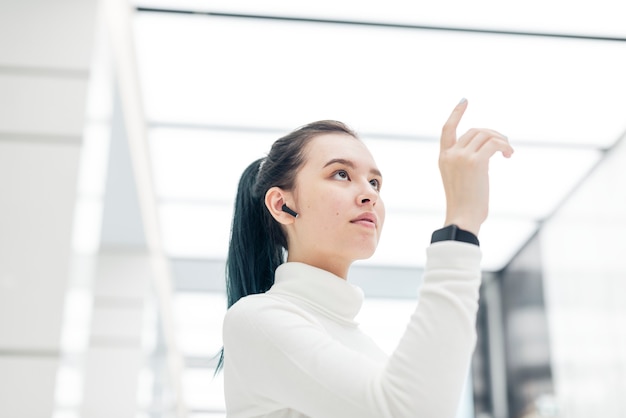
point(124, 127)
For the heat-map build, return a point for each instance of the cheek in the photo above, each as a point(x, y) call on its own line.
point(380, 212)
point(332, 212)
point(326, 204)
point(337, 207)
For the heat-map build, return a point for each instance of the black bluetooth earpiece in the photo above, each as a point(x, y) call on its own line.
point(290, 211)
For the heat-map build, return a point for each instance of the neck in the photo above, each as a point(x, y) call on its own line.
point(332, 265)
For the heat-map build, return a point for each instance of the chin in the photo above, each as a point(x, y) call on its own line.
point(365, 252)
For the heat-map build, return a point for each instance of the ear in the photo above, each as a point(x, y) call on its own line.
point(275, 198)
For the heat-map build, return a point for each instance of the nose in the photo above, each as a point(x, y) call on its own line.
point(367, 195)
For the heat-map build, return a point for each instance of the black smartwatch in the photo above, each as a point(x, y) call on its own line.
point(454, 233)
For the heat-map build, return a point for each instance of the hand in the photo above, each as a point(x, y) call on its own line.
point(464, 166)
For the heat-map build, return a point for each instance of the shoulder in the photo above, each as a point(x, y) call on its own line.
point(260, 306)
point(265, 316)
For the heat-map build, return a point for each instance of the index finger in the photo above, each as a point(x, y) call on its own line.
point(448, 133)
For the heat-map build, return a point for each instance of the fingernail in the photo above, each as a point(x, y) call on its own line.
point(463, 100)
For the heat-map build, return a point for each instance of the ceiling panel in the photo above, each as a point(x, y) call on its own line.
point(195, 230)
point(277, 75)
point(203, 164)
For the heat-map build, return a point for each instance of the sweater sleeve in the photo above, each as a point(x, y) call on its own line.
point(285, 356)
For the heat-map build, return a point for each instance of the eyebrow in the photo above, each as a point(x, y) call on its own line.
point(350, 164)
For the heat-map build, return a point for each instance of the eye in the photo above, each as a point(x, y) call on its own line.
point(341, 175)
point(375, 184)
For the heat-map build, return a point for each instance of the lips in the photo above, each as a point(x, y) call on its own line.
point(366, 219)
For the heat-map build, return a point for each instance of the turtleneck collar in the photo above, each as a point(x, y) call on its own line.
point(321, 290)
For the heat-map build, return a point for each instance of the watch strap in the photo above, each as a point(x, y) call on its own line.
point(454, 233)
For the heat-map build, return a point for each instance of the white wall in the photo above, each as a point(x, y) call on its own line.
point(585, 282)
point(45, 52)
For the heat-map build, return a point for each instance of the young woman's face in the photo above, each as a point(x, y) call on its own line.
point(337, 196)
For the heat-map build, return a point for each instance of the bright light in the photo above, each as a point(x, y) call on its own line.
point(268, 74)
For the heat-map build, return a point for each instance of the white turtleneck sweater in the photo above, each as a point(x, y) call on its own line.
point(296, 351)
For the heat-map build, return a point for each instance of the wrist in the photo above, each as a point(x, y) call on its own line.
point(464, 224)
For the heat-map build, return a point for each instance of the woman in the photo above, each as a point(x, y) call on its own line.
point(291, 346)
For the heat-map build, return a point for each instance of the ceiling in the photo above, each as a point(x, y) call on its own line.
point(221, 84)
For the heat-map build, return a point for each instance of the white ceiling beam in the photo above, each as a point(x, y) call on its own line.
point(118, 16)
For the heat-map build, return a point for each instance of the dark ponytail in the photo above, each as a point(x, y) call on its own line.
point(258, 243)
